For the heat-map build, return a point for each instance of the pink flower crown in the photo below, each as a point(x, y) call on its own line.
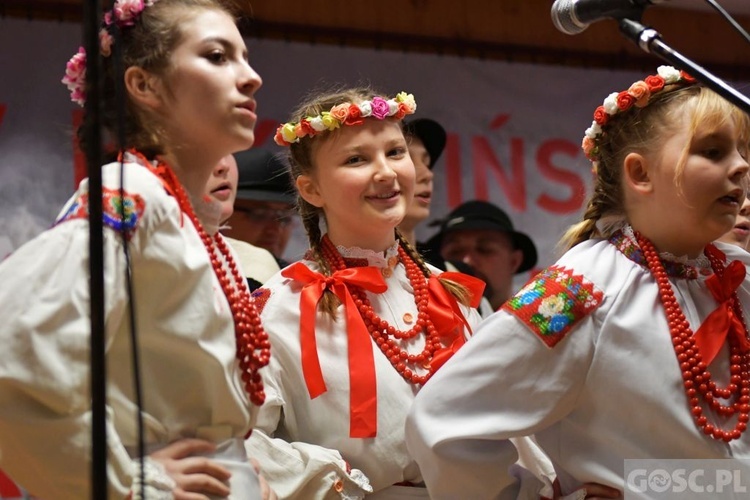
point(124, 13)
point(637, 95)
point(347, 113)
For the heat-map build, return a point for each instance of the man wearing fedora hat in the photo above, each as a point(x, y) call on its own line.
point(482, 235)
point(264, 209)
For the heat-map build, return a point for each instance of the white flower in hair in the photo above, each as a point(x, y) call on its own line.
point(345, 113)
point(610, 103)
point(594, 130)
point(637, 96)
point(670, 74)
point(392, 107)
point(365, 107)
point(316, 122)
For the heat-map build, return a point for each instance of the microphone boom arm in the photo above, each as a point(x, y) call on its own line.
point(651, 42)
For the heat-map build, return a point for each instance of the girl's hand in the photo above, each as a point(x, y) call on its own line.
point(195, 476)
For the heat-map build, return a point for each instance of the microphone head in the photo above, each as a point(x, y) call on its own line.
point(564, 17)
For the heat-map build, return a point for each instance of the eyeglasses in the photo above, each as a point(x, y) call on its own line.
point(264, 215)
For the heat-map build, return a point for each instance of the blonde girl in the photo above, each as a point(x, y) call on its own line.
point(361, 323)
point(634, 344)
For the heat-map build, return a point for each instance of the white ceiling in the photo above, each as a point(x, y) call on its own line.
point(734, 7)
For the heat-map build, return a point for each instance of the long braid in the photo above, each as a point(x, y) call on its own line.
point(456, 289)
point(586, 229)
point(311, 219)
point(415, 256)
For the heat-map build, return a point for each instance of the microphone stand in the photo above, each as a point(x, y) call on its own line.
point(97, 360)
point(650, 41)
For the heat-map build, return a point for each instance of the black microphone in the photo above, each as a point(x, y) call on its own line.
point(573, 16)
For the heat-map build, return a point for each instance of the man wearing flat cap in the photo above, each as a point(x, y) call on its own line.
point(264, 210)
point(482, 235)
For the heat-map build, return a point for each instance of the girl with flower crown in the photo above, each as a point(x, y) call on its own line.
point(634, 345)
point(361, 323)
point(189, 101)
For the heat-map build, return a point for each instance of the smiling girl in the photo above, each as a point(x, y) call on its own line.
point(189, 101)
point(361, 323)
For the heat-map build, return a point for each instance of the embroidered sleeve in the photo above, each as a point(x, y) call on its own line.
point(260, 297)
point(553, 302)
point(119, 213)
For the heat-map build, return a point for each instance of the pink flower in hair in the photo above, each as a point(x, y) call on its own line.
point(105, 42)
point(126, 11)
point(75, 76)
point(380, 108)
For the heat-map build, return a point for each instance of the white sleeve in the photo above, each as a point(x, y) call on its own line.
point(45, 409)
point(504, 383)
point(298, 470)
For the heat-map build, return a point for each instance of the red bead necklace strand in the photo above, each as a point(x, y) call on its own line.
point(253, 346)
point(695, 375)
point(383, 333)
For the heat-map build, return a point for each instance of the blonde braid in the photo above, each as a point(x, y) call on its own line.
point(459, 291)
point(311, 219)
point(586, 229)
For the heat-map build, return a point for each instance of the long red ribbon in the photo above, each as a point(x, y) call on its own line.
point(443, 308)
point(722, 321)
point(446, 315)
point(362, 382)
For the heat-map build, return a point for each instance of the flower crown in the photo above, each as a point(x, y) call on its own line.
point(638, 95)
point(124, 13)
point(347, 113)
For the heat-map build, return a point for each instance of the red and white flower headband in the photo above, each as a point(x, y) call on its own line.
point(124, 13)
point(347, 113)
point(638, 95)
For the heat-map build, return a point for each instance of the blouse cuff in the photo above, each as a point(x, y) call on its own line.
point(353, 487)
point(158, 484)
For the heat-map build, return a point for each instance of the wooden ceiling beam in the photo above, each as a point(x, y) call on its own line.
point(514, 30)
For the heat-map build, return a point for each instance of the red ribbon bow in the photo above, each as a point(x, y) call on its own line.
point(713, 332)
point(362, 382)
point(446, 315)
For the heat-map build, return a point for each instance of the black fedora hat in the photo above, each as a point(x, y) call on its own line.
point(479, 214)
point(263, 177)
point(432, 135)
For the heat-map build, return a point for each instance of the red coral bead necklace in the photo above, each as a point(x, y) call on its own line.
point(253, 347)
point(695, 375)
point(383, 333)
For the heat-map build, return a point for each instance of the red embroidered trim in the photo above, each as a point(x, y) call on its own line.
point(133, 207)
point(553, 303)
point(260, 297)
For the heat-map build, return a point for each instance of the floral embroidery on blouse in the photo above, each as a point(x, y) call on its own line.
point(676, 267)
point(553, 302)
point(119, 213)
point(260, 298)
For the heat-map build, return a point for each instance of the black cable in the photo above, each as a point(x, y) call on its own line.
point(120, 97)
point(93, 141)
point(729, 19)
